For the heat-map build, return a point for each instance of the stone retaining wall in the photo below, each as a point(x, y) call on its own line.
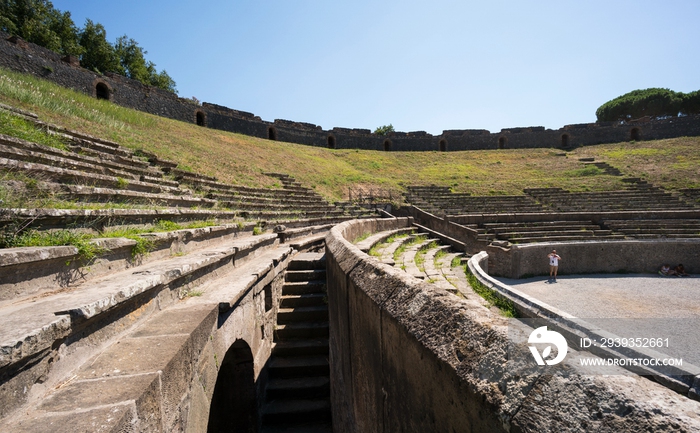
point(408, 356)
point(22, 56)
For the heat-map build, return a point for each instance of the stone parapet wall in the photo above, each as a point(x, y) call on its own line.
point(21, 56)
point(624, 256)
point(408, 356)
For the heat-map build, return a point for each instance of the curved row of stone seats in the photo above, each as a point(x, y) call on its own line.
point(498, 204)
point(399, 248)
point(56, 339)
point(668, 228)
point(636, 197)
point(98, 220)
point(442, 201)
point(407, 261)
point(545, 231)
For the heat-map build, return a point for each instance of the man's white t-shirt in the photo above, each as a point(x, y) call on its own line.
point(554, 260)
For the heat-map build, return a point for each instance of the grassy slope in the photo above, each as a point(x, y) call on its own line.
point(239, 159)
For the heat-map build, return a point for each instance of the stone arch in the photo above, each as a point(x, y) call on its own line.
point(102, 90)
point(331, 141)
point(565, 140)
point(387, 145)
point(502, 142)
point(635, 134)
point(272, 133)
point(234, 403)
point(200, 118)
point(443, 145)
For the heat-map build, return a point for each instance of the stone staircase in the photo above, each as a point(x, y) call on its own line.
point(66, 320)
point(298, 389)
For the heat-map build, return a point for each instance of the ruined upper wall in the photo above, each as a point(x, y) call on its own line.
point(19, 55)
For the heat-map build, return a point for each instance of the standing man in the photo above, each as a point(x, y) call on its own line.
point(553, 265)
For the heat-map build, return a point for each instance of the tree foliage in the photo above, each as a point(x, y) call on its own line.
point(384, 130)
point(99, 54)
point(37, 21)
point(654, 102)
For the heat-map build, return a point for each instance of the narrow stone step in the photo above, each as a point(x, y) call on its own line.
point(298, 388)
point(298, 366)
point(284, 411)
point(303, 314)
point(308, 346)
point(308, 261)
point(387, 253)
point(300, 427)
point(305, 300)
point(409, 258)
point(307, 275)
point(304, 287)
point(297, 330)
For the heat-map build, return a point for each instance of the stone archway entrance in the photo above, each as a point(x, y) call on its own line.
point(234, 403)
point(102, 91)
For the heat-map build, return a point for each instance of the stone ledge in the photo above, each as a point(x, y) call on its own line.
point(24, 255)
point(28, 148)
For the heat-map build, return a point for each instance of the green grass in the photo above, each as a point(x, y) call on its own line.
point(420, 255)
point(491, 296)
point(589, 170)
point(242, 160)
point(362, 237)
point(439, 254)
point(374, 251)
point(122, 183)
point(15, 126)
point(14, 235)
point(87, 250)
point(402, 248)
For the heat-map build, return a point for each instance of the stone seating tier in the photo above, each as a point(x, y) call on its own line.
point(671, 223)
point(145, 307)
point(67, 177)
point(97, 220)
point(22, 150)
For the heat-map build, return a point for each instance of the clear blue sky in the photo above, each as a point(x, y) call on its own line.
point(419, 65)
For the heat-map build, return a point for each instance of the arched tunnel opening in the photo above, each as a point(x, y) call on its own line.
point(234, 404)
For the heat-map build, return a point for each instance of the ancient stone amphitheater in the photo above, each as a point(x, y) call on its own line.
point(243, 309)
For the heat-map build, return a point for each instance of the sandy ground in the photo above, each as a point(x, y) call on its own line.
point(630, 306)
